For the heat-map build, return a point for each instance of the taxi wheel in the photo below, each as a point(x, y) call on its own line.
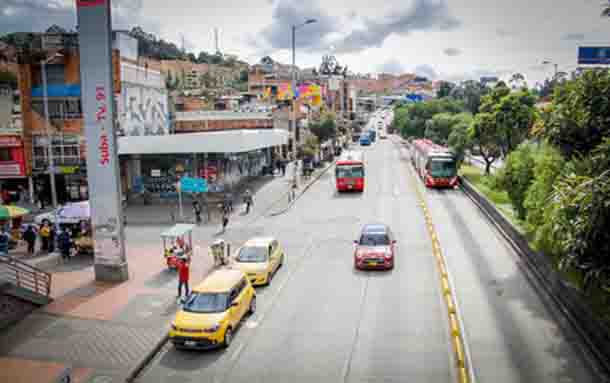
point(228, 337)
point(281, 261)
point(252, 308)
point(268, 279)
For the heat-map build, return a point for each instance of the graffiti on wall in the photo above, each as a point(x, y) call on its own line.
point(143, 111)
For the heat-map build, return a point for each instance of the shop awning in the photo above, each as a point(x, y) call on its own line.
point(228, 141)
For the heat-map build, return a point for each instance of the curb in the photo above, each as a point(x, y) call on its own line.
point(137, 370)
point(300, 194)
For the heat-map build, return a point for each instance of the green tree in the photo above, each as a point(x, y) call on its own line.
point(579, 213)
point(548, 166)
point(459, 140)
point(484, 136)
point(513, 113)
point(440, 126)
point(579, 117)
point(470, 93)
point(445, 89)
point(324, 130)
point(517, 175)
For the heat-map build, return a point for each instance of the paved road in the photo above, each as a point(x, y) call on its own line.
point(321, 321)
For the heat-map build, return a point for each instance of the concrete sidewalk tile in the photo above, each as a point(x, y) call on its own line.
point(85, 343)
point(17, 370)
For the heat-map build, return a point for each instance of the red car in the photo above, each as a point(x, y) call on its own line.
point(376, 248)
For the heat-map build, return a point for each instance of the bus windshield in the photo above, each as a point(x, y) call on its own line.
point(442, 167)
point(350, 171)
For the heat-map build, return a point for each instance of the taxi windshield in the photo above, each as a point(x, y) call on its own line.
point(206, 303)
point(252, 254)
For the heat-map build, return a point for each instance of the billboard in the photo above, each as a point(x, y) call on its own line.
point(594, 55)
point(95, 42)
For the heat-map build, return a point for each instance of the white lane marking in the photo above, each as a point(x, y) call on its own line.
point(237, 351)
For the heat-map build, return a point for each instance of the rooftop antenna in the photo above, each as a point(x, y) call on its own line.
point(182, 39)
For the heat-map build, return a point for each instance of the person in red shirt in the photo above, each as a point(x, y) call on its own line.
point(183, 277)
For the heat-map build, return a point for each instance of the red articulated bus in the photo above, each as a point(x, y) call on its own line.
point(435, 164)
point(349, 172)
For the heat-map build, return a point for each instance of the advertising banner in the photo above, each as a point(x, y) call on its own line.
point(95, 42)
point(594, 55)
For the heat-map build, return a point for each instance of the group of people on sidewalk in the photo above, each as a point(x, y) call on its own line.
point(51, 238)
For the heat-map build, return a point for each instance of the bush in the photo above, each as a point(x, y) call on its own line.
point(548, 165)
point(517, 176)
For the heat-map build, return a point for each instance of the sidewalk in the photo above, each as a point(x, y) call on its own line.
point(102, 331)
point(263, 188)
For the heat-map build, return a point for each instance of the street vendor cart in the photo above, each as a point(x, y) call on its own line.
point(177, 244)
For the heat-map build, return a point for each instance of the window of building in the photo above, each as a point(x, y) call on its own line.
point(5, 154)
point(66, 151)
point(56, 74)
point(63, 109)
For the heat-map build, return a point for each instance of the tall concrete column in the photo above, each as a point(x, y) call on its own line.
point(31, 189)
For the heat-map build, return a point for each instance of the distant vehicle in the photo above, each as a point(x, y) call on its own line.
point(373, 135)
point(349, 172)
point(213, 311)
point(68, 214)
point(382, 136)
point(376, 248)
point(260, 258)
point(435, 164)
point(365, 139)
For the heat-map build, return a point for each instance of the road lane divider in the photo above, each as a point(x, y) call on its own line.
point(463, 363)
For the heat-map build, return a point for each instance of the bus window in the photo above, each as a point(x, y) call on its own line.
point(349, 171)
point(441, 167)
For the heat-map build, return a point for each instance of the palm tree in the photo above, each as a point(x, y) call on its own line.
point(606, 9)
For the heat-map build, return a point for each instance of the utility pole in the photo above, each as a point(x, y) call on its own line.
point(51, 162)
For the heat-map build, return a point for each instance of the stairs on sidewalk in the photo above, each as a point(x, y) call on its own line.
point(23, 288)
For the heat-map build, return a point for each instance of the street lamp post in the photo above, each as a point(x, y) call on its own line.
point(294, 82)
point(555, 65)
point(45, 101)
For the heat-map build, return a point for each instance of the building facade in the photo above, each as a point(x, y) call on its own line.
point(140, 100)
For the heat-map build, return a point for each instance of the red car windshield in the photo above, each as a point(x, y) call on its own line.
point(374, 239)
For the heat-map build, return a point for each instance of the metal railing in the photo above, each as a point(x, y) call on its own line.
point(25, 276)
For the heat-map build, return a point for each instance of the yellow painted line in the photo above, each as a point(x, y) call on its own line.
point(446, 288)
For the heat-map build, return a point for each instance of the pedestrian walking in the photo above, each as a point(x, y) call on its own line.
point(64, 242)
point(293, 191)
point(45, 232)
point(183, 278)
point(4, 242)
point(52, 238)
point(197, 210)
point(248, 200)
point(29, 236)
point(228, 201)
point(225, 220)
point(41, 198)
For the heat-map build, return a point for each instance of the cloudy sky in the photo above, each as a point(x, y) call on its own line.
point(451, 39)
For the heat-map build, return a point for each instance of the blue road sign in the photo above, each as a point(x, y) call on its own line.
point(594, 55)
point(193, 185)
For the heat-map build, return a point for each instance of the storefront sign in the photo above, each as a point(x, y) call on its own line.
point(68, 169)
point(210, 173)
point(155, 173)
point(193, 185)
point(94, 25)
point(11, 169)
point(10, 141)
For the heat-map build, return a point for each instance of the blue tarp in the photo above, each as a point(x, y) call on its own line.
point(62, 90)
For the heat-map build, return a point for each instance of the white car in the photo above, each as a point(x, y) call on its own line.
point(69, 217)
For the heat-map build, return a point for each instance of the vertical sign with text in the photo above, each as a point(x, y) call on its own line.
point(95, 45)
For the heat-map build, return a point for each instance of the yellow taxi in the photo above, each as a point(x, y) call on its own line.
point(260, 258)
point(213, 311)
